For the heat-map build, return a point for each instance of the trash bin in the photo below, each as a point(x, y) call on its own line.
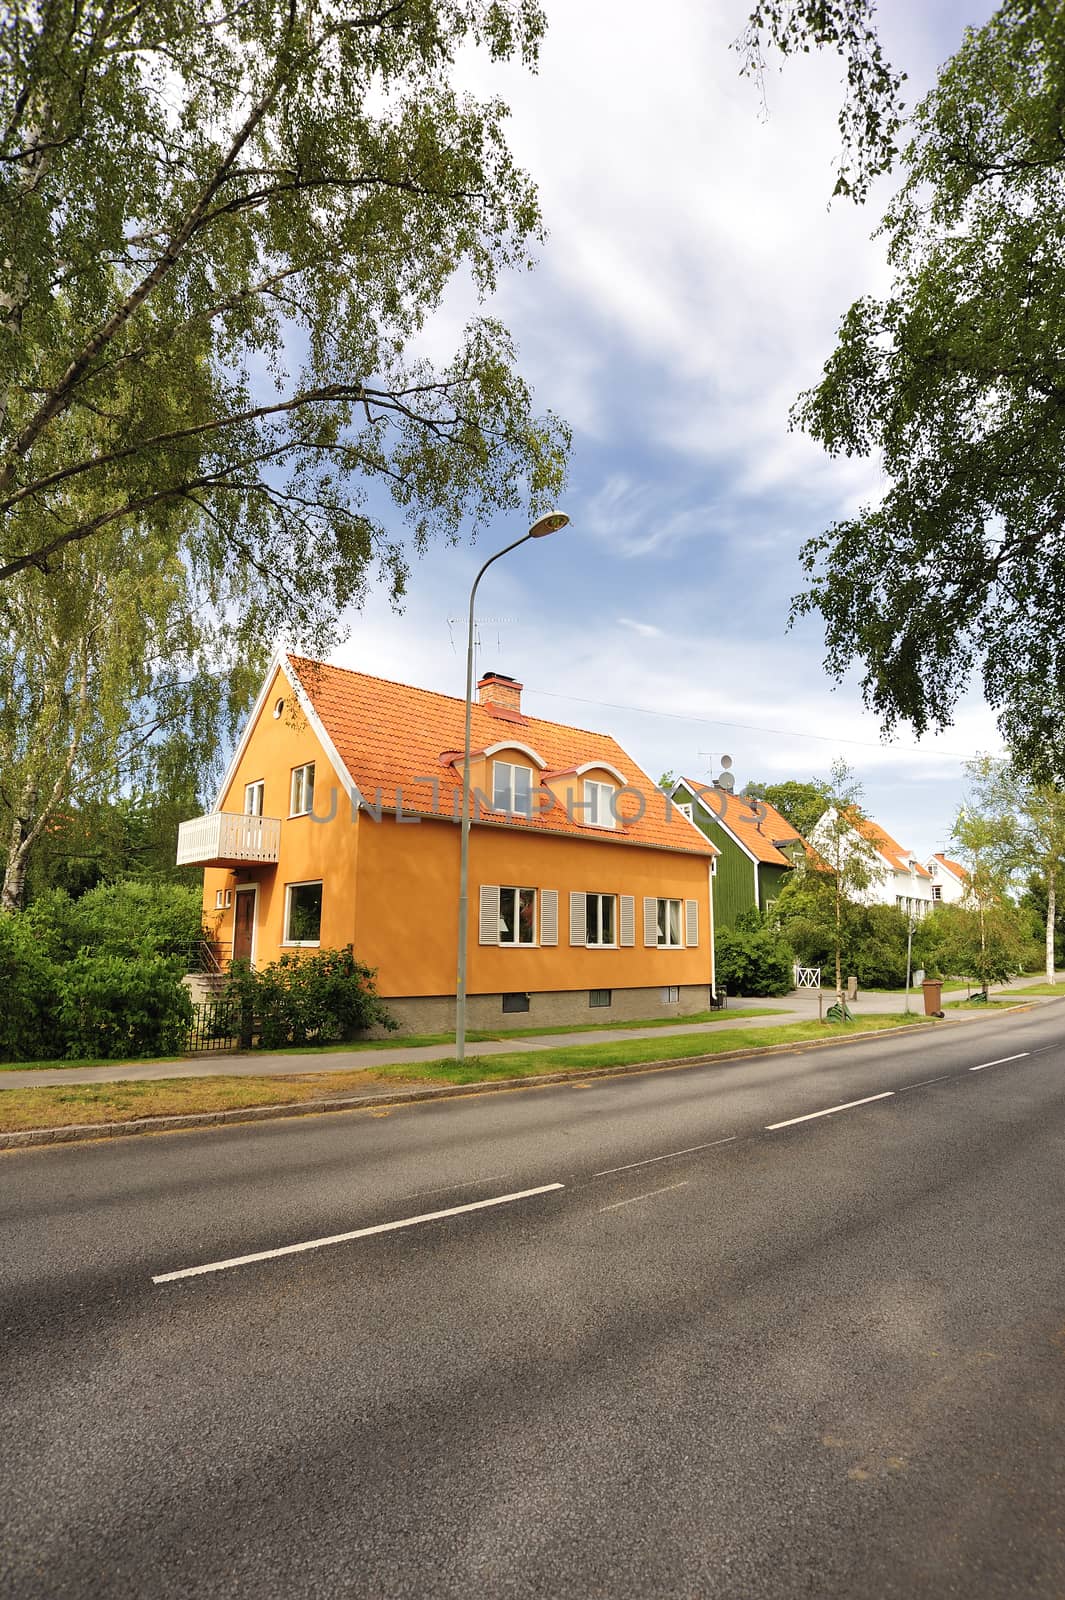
point(933, 993)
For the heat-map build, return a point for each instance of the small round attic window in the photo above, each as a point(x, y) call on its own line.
point(278, 708)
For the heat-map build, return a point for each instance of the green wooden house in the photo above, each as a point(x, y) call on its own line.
point(758, 847)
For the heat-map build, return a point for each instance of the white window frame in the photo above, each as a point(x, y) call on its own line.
point(598, 798)
point(301, 944)
point(937, 892)
point(667, 943)
point(600, 943)
point(301, 792)
point(510, 768)
point(253, 798)
point(518, 944)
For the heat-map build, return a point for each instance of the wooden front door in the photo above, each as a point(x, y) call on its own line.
point(243, 924)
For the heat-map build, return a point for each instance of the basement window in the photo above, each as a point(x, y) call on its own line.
point(515, 1002)
point(599, 997)
point(671, 995)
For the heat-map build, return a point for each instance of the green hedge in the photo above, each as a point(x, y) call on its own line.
point(752, 958)
point(99, 976)
point(123, 1006)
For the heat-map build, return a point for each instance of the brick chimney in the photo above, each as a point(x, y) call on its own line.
point(496, 689)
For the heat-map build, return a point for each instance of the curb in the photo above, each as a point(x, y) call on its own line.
point(77, 1133)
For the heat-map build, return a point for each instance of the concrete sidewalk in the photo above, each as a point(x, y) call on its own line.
point(800, 1006)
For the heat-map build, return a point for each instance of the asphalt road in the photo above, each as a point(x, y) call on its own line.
point(821, 1359)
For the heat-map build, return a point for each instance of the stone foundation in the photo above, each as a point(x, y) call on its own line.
point(551, 1009)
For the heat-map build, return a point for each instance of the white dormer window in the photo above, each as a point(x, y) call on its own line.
point(598, 803)
point(512, 788)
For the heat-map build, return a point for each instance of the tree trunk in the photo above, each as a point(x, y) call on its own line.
point(18, 854)
point(1052, 910)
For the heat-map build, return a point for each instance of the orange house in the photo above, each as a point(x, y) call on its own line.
point(337, 824)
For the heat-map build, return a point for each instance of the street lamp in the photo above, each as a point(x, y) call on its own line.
point(911, 924)
point(550, 522)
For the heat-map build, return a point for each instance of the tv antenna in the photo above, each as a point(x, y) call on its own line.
point(478, 624)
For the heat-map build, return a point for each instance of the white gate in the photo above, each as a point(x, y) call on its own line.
point(807, 977)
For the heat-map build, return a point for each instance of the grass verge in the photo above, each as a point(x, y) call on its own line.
point(1042, 988)
point(979, 1005)
point(418, 1041)
point(64, 1104)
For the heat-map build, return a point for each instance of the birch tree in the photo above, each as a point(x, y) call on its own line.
point(1021, 826)
point(223, 231)
point(850, 857)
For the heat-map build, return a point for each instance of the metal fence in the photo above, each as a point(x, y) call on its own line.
point(215, 1025)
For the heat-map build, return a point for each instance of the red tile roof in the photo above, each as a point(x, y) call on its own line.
point(758, 825)
point(888, 847)
point(960, 872)
point(390, 735)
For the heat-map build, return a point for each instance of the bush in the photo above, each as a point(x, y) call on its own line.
point(29, 983)
point(875, 947)
point(127, 919)
point(325, 998)
point(752, 959)
point(112, 1006)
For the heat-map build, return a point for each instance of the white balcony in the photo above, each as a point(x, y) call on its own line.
point(228, 838)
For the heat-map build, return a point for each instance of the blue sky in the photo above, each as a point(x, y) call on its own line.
point(689, 288)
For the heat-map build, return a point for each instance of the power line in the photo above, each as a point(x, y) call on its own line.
point(751, 727)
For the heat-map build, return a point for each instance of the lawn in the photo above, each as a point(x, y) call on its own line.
point(979, 1005)
point(54, 1107)
point(1042, 988)
point(418, 1041)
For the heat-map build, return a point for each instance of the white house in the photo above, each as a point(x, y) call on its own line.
point(898, 878)
point(950, 881)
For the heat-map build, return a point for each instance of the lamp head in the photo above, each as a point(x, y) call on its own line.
point(550, 522)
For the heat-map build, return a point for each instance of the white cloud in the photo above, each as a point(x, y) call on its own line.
point(690, 288)
point(646, 630)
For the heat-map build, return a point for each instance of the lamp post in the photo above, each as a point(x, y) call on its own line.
point(911, 923)
point(550, 522)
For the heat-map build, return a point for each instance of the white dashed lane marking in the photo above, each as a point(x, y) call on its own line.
point(356, 1233)
point(830, 1111)
point(669, 1156)
point(647, 1195)
point(1000, 1062)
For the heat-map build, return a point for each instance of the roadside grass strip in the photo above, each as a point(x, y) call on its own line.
point(66, 1105)
point(418, 1041)
point(354, 1233)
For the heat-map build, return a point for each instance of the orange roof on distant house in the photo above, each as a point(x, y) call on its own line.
point(888, 847)
point(756, 824)
point(392, 737)
point(960, 872)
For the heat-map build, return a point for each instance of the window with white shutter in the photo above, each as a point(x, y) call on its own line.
point(691, 921)
point(548, 916)
point(627, 920)
point(489, 932)
point(577, 926)
point(650, 921)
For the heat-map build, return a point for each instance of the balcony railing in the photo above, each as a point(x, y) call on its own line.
point(226, 838)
